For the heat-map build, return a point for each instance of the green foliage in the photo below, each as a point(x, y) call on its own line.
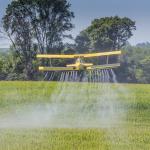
point(36, 26)
point(11, 68)
point(2, 74)
point(49, 20)
point(19, 30)
point(82, 42)
point(107, 33)
point(145, 68)
point(135, 64)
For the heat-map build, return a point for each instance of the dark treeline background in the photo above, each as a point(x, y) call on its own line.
point(39, 26)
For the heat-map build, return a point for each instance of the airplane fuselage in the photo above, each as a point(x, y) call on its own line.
point(80, 65)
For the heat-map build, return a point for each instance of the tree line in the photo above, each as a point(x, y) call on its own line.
point(39, 26)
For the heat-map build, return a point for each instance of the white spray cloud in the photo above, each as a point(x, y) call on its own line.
point(73, 105)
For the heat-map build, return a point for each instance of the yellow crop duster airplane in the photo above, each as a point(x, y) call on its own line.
point(79, 64)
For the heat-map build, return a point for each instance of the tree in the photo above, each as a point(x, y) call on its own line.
point(2, 75)
point(82, 42)
point(135, 63)
point(144, 70)
point(110, 33)
point(49, 19)
point(19, 30)
point(36, 26)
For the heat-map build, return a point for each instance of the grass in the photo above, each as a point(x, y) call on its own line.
point(132, 134)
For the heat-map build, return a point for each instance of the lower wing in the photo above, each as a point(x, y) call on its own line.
point(56, 69)
point(105, 66)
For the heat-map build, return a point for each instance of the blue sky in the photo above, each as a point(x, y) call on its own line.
point(87, 10)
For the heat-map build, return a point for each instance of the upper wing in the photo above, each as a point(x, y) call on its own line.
point(54, 56)
point(80, 55)
point(101, 54)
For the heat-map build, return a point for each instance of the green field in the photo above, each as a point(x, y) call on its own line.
point(131, 132)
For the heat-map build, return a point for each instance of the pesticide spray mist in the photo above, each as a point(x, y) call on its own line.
point(94, 103)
